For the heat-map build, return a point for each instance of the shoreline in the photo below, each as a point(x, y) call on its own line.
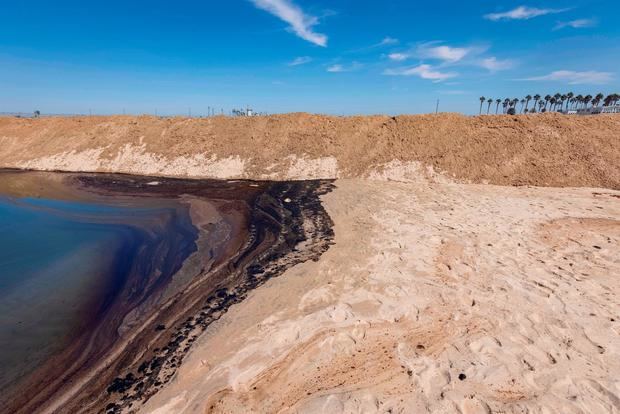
point(225, 274)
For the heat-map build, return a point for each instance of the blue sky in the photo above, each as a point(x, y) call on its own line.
point(338, 57)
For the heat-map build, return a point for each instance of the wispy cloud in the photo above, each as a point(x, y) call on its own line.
point(338, 68)
point(387, 41)
point(302, 60)
point(423, 71)
point(492, 64)
point(398, 57)
point(575, 78)
point(576, 24)
point(443, 52)
point(435, 50)
point(522, 13)
point(299, 22)
point(447, 56)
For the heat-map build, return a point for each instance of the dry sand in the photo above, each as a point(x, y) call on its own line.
point(514, 290)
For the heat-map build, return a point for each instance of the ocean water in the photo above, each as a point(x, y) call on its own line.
point(62, 264)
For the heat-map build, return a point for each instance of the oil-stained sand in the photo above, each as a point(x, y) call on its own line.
point(248, 233)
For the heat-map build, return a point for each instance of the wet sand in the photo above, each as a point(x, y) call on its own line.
point(247, 234)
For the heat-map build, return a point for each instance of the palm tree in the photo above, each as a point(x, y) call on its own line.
point(497, 102)
point(587, 100)
point(579, 99)
point(598, 98)
point(482, 99)
point(489, 102)
point(505, 104)
point(536, 99)
point(569, 96)
point(514, 103)
point(558, 98)
point(552, 102)
point(523, 104)
point(527, 100)
point(542, 106)
point(547, 100)
point(608, 100)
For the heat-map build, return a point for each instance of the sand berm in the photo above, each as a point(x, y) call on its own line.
point(542, 150)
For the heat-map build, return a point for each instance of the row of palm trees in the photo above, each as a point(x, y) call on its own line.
point(556, 103)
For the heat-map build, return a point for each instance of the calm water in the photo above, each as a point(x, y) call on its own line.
point(61, 263)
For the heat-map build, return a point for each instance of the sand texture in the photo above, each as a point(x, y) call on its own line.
point(543, 150)
point(475, 265)
point(438, 298)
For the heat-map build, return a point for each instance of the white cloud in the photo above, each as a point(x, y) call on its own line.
point(492, 64)
point(423, 71)
point(575, 78)
point(388, 41)
point(300, 23)
point(522, 13)
point(445, 53)
point(398, 57)
point(576, 24)
point(302, 60)
point(338, 68)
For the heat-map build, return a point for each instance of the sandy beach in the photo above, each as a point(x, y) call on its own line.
point(435, 298)
point(473, 268)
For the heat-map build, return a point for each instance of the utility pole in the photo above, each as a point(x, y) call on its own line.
point(437, 106)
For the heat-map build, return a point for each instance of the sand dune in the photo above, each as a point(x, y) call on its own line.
point(434, 298)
